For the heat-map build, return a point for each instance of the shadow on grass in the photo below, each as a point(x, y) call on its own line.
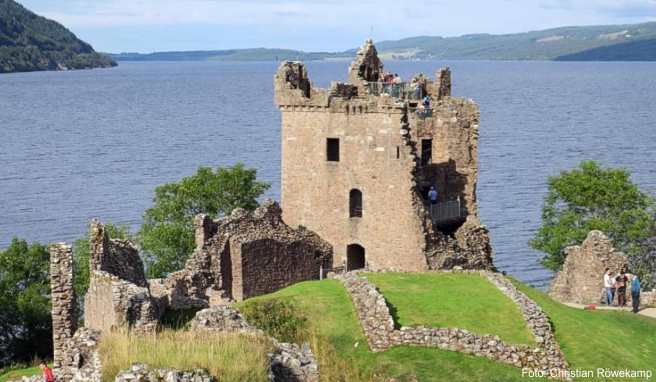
point(393, 311)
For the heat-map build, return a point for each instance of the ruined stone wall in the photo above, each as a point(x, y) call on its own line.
point(453, 169)
point(582, 277)
point(64, 308)
point(117, 257)
point(112, 303)
point(118, 292)
point(241, 256)
point(468, 248)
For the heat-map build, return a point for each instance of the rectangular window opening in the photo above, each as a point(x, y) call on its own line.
point(426, 151)
point(332, 150)
point(398, 152)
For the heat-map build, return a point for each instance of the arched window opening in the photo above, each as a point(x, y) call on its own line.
point(355, 203)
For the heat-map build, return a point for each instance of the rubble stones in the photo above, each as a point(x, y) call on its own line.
point(222, 319)
point(145, 373)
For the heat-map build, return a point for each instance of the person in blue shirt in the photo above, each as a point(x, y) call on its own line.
point(432, 196)
point(635, 292)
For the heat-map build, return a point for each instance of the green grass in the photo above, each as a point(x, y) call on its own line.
point(611, 339)
point(341, 348)
point(452, 300)
point(15, 375)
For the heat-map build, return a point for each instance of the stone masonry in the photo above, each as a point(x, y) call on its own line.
point(379, 329)
point(287, 363)
point(64, 309)
point(358, 160)
point(581, 279)
point(118, 294)
point(242, 256)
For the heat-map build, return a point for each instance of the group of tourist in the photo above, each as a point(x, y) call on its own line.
point(617, 284)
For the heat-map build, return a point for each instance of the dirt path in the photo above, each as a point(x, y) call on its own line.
point(649, 312)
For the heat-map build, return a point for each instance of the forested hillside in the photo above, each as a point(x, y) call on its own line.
point(29, 42)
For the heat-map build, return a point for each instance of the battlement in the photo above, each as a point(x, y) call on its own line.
point(367, 89)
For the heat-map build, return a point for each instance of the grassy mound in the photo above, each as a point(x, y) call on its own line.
point(452, 300)
point(611, 339)
point(230, 358)
point(343, 354)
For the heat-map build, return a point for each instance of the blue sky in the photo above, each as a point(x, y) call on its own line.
point(315, 25)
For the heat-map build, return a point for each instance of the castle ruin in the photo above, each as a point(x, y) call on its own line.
point(358, 160)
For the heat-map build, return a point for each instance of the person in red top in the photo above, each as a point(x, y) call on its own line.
point(47, 372)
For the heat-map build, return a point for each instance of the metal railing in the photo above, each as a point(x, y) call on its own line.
point(445, 211)
point(403, 90)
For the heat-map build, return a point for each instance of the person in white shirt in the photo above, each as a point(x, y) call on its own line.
point(609, 285)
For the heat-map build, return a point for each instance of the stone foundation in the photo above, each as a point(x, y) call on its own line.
point(379, 330)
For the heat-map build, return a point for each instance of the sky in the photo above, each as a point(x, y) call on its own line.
point(145, 26)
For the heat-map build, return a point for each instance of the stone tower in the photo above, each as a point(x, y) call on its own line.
point(359, 159)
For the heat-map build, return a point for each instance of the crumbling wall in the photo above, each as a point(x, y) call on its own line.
point(582, 277)
point(64, 308)
point(469, 248)
point(112, 303)
point(241, 256)
point(118, 294)
point(117, 257)
point(366, 67)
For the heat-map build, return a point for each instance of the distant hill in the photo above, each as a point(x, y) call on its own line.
point(29, 42)
point(255, 54)
point(632, 42)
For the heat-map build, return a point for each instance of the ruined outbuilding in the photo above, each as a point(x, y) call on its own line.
point(242, 256)
point(358, 160)
point(236, 257)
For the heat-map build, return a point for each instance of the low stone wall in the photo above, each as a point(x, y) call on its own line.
point(379, 330)
point(82, 358)
point(144, 373)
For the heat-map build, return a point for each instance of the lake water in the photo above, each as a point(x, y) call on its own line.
point(94, 144)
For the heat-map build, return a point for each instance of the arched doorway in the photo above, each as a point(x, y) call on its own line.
point(355, 257)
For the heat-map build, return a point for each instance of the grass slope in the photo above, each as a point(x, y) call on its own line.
point(15, 375)
point(616, 340)
point(456, 300)
point(343, 353)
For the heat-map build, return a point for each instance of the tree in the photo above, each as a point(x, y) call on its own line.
point(591, 197)
point(81, 252)
point(167, 236)
point(25, 319)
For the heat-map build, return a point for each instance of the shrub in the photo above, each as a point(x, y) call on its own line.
point(278, 318)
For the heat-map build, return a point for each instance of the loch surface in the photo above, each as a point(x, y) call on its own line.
point(94, 144)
